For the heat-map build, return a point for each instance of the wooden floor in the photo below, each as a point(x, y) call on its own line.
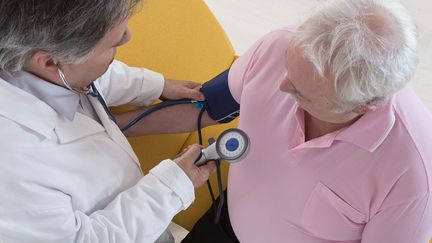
point(247, 20)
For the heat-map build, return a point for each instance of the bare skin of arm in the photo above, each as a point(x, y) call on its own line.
point(173, 119)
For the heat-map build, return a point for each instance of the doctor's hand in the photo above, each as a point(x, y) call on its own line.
point(186, 161)
point(176, 89)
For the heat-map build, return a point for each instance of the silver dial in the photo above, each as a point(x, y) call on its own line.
point(232, 145)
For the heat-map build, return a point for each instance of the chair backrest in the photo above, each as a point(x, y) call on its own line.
point(182, 40)
point(179, 38)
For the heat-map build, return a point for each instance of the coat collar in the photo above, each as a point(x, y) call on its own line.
point(62, 100)
point(36, 115)
point(27, 110)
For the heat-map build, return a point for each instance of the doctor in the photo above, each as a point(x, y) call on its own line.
point(67, 173)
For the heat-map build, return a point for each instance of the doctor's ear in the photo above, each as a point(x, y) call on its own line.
point(42, 62)
point(364, 108)
point(44, 65)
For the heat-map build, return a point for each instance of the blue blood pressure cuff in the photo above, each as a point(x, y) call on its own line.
point(219, 103)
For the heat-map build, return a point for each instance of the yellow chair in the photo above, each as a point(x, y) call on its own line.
point(182, 40)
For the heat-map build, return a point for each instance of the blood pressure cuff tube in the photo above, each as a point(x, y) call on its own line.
point(219, 103)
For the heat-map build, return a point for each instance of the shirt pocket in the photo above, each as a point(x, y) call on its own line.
point(329, 217)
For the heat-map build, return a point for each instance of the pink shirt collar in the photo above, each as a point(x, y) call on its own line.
point(365, 133)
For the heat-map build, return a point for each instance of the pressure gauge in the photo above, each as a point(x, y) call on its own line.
point(231, 146)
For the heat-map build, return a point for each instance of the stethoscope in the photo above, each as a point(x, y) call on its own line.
point(89, 90)
point(231, 146)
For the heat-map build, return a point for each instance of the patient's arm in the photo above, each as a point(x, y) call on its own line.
point(220, 106)
point(173, 119)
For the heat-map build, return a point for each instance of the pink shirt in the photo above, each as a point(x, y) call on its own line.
point(369, 182)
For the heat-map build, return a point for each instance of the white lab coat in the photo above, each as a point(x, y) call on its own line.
point(78, 181)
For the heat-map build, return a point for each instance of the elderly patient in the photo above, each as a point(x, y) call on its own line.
point(339, 141)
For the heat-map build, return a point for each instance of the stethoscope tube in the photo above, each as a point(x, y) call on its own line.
point(95, 93)
point(204, 156)
point(157, 107)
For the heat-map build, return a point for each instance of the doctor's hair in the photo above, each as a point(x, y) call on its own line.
point(67, 29)
point(367, 48)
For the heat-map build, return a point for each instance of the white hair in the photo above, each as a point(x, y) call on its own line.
point(368, 48)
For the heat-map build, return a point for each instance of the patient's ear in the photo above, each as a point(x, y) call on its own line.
point(364, 108)
point(43, 65)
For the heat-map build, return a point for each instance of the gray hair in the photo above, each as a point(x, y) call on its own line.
point(368, 48)
point(68, 29)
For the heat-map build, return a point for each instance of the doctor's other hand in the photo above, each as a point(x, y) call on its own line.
point(176, 89)
point(186, 161)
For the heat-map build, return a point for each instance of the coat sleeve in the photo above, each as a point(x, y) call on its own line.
point(33, 212)
point(122, 84)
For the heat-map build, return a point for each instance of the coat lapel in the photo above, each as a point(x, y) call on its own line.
point(81, 126)
point(112, 129)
